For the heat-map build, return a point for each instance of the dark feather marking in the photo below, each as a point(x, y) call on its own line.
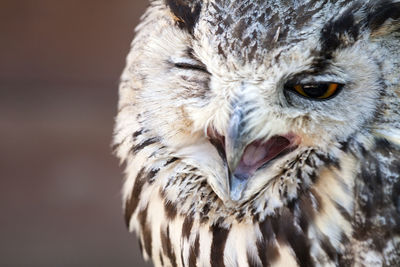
point(137, 133)
point(374, 195)
point(239, 28)
point(313, 176)
point(187, 226)
point(161, 259)
point(144, 144)
point(221, 51)
point(330, 161)
point(187, 15)
point(344, 146)
point(324, 158)
point(286, 232)
point(150, 175)
point(193, 169)
point(132, 202)
point(396, 196)
point(194, 251)
point(220, 146)
point(204, 212)
point(327, 246)
point(204, 219)
point(346, 215)
point(203, 184)
point(170, 209)
point(267, 250)
point(146, 231)
point(309, 161)
point(336, 29)
point(292, 204)
point(172, 160)
point(384, 11)
point(307, 212)
point(332, 35)
point(205, 209)
point(372, 178)
point(167, 246)
point(345, 259)
point(240, 215)
point(182, 258)
point(220, 235)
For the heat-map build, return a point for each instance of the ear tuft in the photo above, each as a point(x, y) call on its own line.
point(185, 13)
point(384, 17)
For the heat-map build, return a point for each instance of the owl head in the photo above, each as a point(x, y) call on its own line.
point(257, 97)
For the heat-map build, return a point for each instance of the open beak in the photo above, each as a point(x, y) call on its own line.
point(244, 157)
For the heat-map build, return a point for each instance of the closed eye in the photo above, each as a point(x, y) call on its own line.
point(190, 66)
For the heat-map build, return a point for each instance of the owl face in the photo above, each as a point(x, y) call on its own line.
point(263, 133)
point(246, 95)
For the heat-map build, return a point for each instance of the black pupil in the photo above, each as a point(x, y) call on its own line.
point(315, 90)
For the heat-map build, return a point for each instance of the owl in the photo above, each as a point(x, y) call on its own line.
point(263, 133)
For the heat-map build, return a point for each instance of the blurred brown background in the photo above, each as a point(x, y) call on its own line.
point(60, 62)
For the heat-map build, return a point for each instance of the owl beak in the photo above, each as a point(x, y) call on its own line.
point(235, 145)
point(235, 142)
point(230, 148)
point(245, 156)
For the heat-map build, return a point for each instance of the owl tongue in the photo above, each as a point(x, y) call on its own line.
point(257, 154)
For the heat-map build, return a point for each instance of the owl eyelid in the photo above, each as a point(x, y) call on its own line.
point(190, 66)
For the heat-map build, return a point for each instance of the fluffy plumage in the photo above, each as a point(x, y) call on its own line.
point(227, 164)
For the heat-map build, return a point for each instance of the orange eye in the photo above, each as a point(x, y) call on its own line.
point(318, 90)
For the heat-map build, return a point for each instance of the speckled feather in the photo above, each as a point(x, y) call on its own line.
point(333, 201)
